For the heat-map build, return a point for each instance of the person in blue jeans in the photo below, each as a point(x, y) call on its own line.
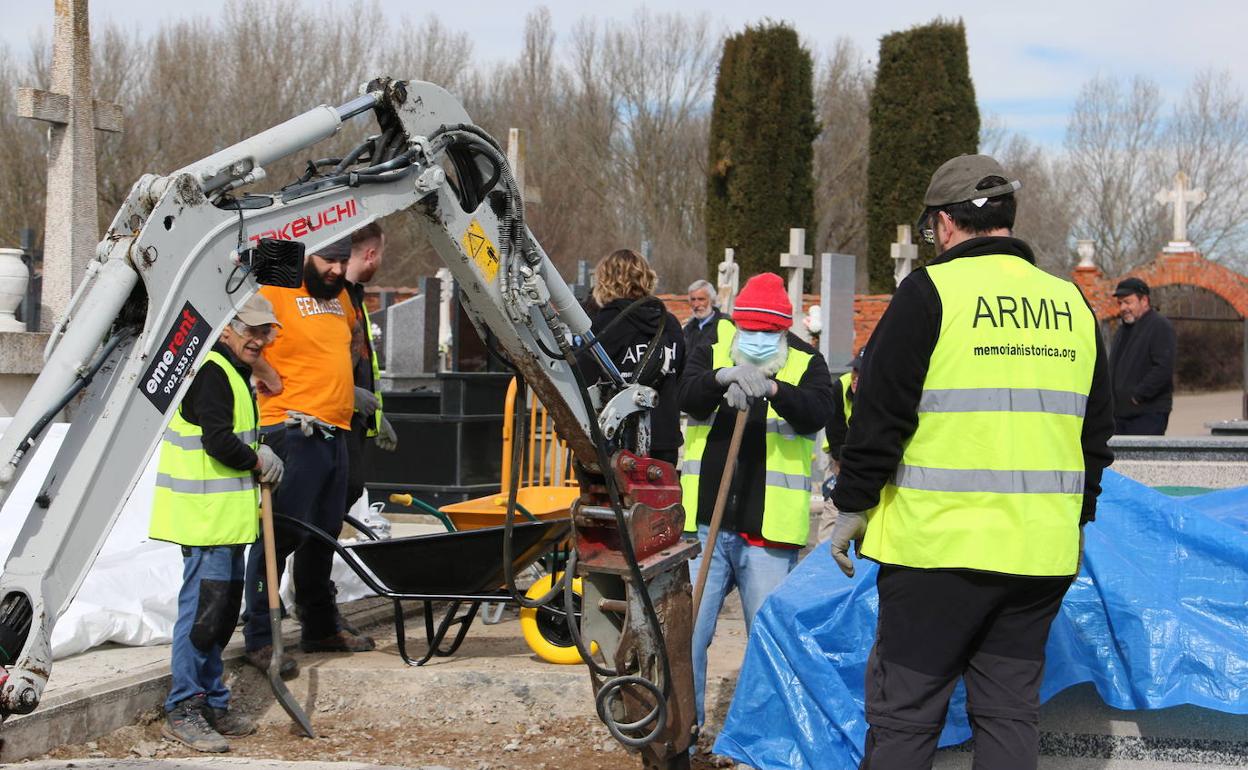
point(784, 387)
point(205, 500)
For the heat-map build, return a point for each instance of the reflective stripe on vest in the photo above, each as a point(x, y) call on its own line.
point(199, 501)
point(993, 477)
point(786, 501)
point(847, 404)
point(374, 426)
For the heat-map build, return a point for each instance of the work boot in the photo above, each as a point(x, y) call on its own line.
point(186, 725)
point(342, 641)
point(262, 657)
point(228, 722)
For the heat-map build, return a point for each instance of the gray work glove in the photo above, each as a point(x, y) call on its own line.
point(387, 439)
point(736, 398)
point(271, 466)
point(751, 380)
point(307, 423)
point(365, 402)
point(849, 528)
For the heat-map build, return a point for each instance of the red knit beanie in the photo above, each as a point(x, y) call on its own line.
point(763, 305)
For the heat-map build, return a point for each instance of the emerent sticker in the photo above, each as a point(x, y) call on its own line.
point(172, 361)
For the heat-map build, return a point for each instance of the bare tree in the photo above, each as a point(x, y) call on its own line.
point(1044, 207)
point(842, 101)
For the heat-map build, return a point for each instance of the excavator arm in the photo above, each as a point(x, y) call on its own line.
point(188, 249)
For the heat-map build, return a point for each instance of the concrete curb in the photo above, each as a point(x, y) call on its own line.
point(87, 712)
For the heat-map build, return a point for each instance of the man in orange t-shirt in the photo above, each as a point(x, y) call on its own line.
point(306, 395)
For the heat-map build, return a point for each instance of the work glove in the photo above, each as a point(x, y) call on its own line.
point(365, 402)
point(736, 398)
point(387, 439)
point(849, 528)
point(749, 378)
point(271, 466)
point(307, 423)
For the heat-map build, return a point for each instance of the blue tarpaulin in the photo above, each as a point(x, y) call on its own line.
point(1158, 617)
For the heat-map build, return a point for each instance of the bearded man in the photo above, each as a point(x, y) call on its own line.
point(306, 394)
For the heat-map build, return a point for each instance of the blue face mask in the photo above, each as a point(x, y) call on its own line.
point(758, 346)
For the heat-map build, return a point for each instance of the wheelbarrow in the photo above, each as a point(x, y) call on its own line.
point(460, 567)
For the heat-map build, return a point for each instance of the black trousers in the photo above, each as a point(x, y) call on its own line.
point(313, 489)
point(1147, 424)
point(355, 459)
point(938, 625)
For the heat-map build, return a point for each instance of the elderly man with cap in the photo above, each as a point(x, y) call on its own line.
point(843, 391)
point(1141, 360)
point(973, 461)
point(205, 501)
point(784, 386)
point(307, 396)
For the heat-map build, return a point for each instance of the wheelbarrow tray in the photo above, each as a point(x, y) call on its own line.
point(448, 564)
point(460, 568)
point(544, 503)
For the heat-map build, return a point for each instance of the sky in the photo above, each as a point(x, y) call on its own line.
point(1028, 60)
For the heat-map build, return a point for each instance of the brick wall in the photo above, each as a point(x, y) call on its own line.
point(1168, 269)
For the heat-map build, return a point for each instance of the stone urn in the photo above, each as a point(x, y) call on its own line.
point(13, 280)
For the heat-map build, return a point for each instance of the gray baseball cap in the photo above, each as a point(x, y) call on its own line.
point(956, 180)
point(257, 311)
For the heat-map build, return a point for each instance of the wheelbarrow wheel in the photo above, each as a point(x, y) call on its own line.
point(545, 628)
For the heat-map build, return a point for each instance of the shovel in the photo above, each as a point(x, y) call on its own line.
point(717, 513)
point(280, 691)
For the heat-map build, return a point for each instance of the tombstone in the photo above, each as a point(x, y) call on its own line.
point(410, 339)
point(904, 253)
point(1179, 196)
point(836, 293)
point(798, 262)
point(584, 282)
point(728, 281)
point(70, 225)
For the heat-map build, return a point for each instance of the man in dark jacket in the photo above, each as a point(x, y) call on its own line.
point(784, 386)
point(704, 326)
point(973, 460)
point(1141, 361)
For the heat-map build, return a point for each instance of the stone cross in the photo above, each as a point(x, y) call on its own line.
point(516, 150)
point(1180, 195)
point(904, 254)
point(71, 231)
point(728, 282)
point(446, 305)
point(798, 263)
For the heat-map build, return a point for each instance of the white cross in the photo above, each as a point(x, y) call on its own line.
point(1180, 195)
point(71, 230)
point(517, 148)
point(904, 254)
point(798, 263)
point(729, 281)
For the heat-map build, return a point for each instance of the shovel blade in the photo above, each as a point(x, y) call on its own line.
point(280, 691)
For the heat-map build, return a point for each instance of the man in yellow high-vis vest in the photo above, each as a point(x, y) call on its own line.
point(843, 390)
point(206, 501)
point(972, 463)
point(784, 385)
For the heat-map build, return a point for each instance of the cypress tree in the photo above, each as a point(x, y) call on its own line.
point(923, 112)
point(759, 178)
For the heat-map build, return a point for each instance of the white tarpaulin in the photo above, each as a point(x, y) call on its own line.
point(130, 596)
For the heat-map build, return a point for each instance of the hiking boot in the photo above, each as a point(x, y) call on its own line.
point(262, 657)
point(227, 722)
point(342, 641)
point(186, 725)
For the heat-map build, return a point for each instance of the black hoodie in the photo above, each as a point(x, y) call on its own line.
point(626, 343)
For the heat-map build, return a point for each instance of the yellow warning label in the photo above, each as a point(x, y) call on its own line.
point(481, 250)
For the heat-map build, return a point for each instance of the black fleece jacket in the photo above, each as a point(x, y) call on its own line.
point(1141, 361)
point(806, 407)
point(626, 343)
point(891, 382)
point(209, 403)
